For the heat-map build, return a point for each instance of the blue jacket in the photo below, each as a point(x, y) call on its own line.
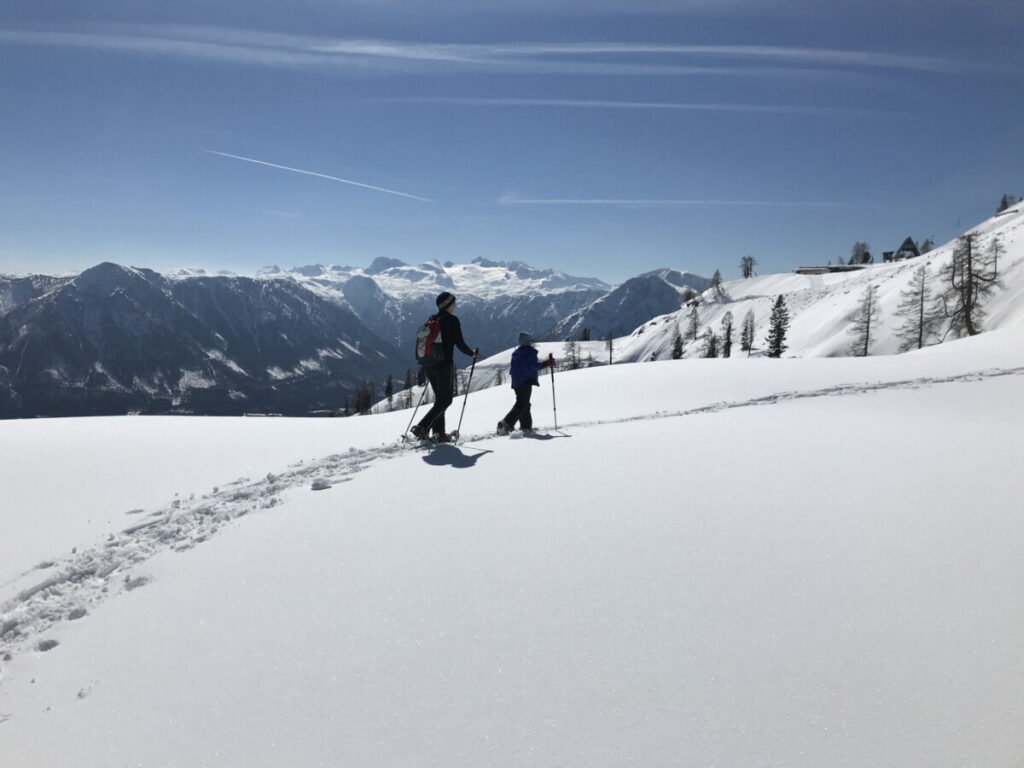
point(525, 367)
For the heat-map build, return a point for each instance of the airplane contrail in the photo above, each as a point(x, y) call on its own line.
point(662, 203)
point(320, 175)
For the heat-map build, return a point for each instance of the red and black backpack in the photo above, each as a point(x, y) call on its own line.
point(429, 349)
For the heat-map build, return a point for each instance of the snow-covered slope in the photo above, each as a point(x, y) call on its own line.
point(822, 307)
point(692, 571)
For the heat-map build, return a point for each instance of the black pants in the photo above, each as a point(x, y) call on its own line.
point(521, 410)
point(441, 378)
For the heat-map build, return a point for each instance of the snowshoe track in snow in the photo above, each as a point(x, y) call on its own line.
point(87, 577)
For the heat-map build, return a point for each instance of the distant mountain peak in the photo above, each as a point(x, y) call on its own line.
point(382, 263)
point(311, 270)
point(104, 268)
point(487, 263)
point(108, 273)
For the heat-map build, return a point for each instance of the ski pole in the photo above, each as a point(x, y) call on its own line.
point(464, 401)
point(554, 404)
point(405, 435)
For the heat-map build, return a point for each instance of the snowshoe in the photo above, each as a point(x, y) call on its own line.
point(502, 428)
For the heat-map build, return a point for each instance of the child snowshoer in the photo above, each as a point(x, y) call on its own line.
point(524, 373)
point(441, 372)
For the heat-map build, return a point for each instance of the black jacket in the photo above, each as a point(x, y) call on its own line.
point(451, 336)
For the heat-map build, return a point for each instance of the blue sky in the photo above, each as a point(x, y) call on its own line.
point(600, 137)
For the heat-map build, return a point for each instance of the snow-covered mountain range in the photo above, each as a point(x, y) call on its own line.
point(114, 339)
point(497, 300)
point(480, 278)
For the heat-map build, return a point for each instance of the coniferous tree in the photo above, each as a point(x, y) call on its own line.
point(609, 342)
point(689, 295)
point(389, 392)
point(694, 324)
point(727, 335)
point(1007, 201)
point(778, 325)
point(364, 397)
point(710, 344)
point(571, 350)
point(920, 323)
point(969, 278)
point(995, 251)
point(860, 254)
point(500, 378)
point(747, 266)
point(864, 322)
point(926, 246)
point(677, 343)
point(716, 283)
point(585, 334)
point(747, 332)
point(407, 393)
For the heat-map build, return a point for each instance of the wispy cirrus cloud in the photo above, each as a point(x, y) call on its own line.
point(364, 56)
point(318, 175)
point(629, 105)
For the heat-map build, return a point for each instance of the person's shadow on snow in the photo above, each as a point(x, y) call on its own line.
point(450, 455)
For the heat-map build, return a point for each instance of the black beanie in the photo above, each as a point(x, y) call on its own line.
point(444, 300)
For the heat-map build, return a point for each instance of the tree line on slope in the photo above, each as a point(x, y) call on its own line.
point(957, 302)
point(929, 312)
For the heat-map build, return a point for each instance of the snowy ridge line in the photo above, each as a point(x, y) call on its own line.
point(84, 579)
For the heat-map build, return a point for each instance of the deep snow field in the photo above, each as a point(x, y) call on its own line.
point(743, 562)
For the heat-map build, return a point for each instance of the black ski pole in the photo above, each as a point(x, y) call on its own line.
point(405, 435)
point(465, 400)
point(554, 404)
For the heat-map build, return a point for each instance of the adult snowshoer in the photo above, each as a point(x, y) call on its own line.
point(440, 372)
point(524, 374)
